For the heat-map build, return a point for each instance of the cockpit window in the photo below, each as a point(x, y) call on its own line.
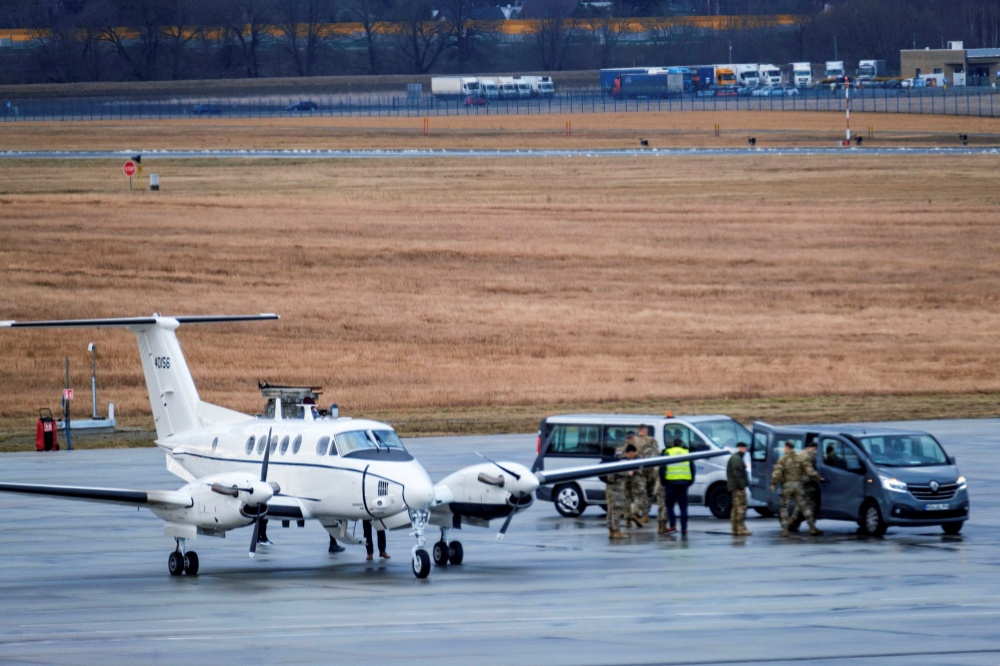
point(388, 439)
point(355, 440)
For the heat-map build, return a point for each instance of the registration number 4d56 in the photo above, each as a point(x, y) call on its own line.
point(936, 507)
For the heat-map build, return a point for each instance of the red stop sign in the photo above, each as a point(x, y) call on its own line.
point(129, 168)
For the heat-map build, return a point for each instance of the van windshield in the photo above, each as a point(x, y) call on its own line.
point(904, 450)
point(724, 432)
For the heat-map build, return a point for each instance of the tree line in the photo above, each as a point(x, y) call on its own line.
point(150, 40)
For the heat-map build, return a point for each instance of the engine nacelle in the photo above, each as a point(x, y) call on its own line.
point(488, 490)
point(222, 502)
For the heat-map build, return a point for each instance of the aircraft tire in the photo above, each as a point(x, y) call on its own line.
point(175, 564)
point(191, 563)
point(457, 553)
point(440, 553)
point(421, 563)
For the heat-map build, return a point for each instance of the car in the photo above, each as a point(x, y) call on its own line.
point(791, 91)
point(207, 108)
point(893, 83)
point(571, 440)
point(475, 100)
point(744, 91)
point(303, 105)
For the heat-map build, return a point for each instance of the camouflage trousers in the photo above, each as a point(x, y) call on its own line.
point(615, 495)
point(636, 495)
point(738, 514)
point(810, 502)
point(791, 491)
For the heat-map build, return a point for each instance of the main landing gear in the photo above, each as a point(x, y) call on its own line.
point(445, 553)
point(182, 560)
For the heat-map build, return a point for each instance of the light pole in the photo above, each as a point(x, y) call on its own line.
point(730, 51)
point(93, 376)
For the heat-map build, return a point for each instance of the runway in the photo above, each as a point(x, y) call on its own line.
point(83, 583)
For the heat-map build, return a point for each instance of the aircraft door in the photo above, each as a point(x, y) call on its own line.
point(843, 469)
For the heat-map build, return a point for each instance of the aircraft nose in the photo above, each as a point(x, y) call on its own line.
point(418, 492)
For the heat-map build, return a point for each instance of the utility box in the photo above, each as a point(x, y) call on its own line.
point(45, 432)
point(154, 181)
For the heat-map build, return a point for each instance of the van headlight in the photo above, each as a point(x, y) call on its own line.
point(962, 485)
point(894, 485)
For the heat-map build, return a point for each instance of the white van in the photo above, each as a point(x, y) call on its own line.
point(574, 440)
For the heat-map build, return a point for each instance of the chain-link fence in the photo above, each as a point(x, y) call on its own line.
point(970, 101)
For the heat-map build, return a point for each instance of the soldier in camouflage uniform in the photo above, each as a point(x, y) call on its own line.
point(810, 488)
point(736, 483)
point(648, 448)
point(616, 497)
point(789, 472)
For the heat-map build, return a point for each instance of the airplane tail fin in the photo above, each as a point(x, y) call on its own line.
point(172, 392)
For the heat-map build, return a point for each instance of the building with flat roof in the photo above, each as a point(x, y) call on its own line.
point(960, 66)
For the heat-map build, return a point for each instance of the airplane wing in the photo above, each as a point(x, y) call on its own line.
point(573, 473)
point(159, 499)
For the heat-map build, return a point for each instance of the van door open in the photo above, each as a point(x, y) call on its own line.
point(843, 468)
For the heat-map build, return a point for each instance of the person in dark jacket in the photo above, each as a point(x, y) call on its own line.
point(677, 478)
point(737, 482)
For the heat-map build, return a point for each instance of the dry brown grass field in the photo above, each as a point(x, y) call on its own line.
point(480, 294)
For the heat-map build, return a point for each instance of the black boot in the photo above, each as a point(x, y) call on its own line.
point(335, 547)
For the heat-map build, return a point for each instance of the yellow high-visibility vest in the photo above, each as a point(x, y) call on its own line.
point(678, 471)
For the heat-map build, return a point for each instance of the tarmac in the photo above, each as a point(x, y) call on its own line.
point(82, 582)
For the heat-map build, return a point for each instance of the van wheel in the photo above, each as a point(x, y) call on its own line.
point(871, 521)
point(569, 501)
point(952, 528)
point(720, 502)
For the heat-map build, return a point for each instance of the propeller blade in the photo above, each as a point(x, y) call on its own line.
point(256, 533)
point(263, 477)
point(267, 456)
point(506, 524)
point(537, 465)
point(502, 468)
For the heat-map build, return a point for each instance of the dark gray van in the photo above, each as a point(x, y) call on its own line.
point(878, 477)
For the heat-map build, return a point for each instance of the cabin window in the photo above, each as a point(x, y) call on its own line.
point(274, 444)
point(261, 443)
point(250, 443)
point(296, 444)
point(215, 443)
point(321, 445)
point(284, 445)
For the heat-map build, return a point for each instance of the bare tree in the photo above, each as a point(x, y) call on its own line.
point(305, 27)
point(182, 26)
point(422, 37)
point(134, 30)
point(554, 32)
point(245, 22)
point(370, 13)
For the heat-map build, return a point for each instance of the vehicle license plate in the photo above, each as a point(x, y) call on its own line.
point(935, 507)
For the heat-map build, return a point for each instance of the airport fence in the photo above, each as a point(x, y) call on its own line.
point(971, 101)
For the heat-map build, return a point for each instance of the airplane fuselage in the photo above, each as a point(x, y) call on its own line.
point(333, 468)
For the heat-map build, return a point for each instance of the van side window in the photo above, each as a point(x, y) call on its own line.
point(576, 440)
point(614, 437)
point(778, 445)
point(839, 455)
point(692, 441)
point(758, 448)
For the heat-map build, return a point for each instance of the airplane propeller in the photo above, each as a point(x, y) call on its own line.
point(263, 478)
point(502, 468)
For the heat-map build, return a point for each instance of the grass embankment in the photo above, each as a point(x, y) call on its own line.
point(479, 295)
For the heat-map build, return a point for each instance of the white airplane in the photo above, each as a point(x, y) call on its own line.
point(292, 463)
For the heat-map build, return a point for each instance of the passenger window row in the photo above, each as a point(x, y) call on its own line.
point(346, 442)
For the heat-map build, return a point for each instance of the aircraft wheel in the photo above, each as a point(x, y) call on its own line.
point(440, 553)
point(191, 563)
point(421, 563)
point(457, 552)
point(175, 564)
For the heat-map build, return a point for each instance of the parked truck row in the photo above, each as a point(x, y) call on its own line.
point(492, 87)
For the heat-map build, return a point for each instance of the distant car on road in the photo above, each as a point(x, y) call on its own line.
point(207, 109)
point(304, 105)
point(475, 100)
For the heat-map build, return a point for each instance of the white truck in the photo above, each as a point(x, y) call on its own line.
point(508, 87)
point(801, 74)
point(769, 75)
point(541, 86)
point(869, 70)
point(747, 75)
point(834, 69)
point(454, 86)
point(488, 87)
